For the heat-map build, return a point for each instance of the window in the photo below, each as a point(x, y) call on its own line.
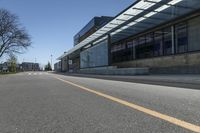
point(158, 42)
point(135, 43)
point(149, 45)
point(140, 48)
point(122, 52)
point(129, 50)
point(145, 48)
point(118, 52)
point(167, 45)
point(114, 50)
point(181, 38)
point(194, 34)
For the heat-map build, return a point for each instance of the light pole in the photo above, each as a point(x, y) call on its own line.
point(35, 64)
point(51, 62)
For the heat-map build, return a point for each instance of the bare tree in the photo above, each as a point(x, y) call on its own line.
point(13, 38)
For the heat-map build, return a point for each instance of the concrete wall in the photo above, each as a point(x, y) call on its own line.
point(115, 71)
point(164, 61)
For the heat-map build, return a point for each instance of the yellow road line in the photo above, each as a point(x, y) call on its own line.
point(170, 119)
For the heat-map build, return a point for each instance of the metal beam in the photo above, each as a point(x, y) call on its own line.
point(94, 35)
point(103, 30)
point(141, 27)
point(122, 20)
point(114, 24)
point(124, 34)
point(132, 28)
point(153, 18)
point(137, 21)
point(108, 27)
point(147, 11)
point(99, 33)
point(166, 3)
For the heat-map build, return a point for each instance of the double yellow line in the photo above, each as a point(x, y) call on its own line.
point(167, 118)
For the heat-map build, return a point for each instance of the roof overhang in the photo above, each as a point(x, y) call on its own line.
point(140, 16)
point(62, 56)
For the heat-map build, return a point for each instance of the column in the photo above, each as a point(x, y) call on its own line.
point(109, 50)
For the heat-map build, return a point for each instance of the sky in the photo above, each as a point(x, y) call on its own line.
point(53, 23)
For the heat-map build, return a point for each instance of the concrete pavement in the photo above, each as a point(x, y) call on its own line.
point(39, 103)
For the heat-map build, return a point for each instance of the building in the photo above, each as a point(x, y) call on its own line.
point(25, 66)
point(162, 35)
point(30, 66)
point(7, 67)
point(1, 67)
point(57, 66)
point(95, 24)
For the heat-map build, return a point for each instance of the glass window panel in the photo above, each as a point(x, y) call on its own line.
point(142, 40)
point(158, 43)
point(129, 50)
point(95, 56)
point(129, 44)
point(139, 48)
point(167, 46)
point(181, 38)
point(149, 49)
point(135, 43)
point(194, 34)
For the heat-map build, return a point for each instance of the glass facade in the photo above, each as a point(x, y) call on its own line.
point(95, 56)
point(175, 39)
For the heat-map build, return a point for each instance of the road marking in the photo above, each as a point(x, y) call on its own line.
point(35, 74)
point(167, 118)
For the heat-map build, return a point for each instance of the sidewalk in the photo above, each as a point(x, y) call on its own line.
point(184, 81)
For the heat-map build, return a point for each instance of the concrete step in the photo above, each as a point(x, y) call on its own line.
point(115, 71)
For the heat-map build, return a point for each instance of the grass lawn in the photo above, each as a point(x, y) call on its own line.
point(6, 73)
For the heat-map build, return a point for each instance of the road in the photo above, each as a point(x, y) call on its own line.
point(39, 102)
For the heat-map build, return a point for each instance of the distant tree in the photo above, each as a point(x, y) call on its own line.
point(13, 37)
point(48, 67)
point(13, 60)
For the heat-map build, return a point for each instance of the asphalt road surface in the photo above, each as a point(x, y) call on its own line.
point(39, 102)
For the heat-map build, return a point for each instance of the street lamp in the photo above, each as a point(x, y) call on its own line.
point(35, 65)
point(51, 62)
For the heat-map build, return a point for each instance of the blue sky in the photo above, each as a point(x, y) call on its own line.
point(53, 23)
